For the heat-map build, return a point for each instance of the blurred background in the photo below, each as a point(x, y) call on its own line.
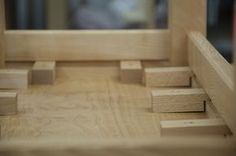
point(116, 14)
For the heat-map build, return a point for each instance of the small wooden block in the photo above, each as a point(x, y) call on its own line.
point(14, 79)
point(179, 100)
point(131, 71)
point(44, 73)
point(168, 77)
point(194, 128)
point(8, 103)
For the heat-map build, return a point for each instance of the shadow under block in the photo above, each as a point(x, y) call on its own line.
point(8, 103)
point(168, 77)
point(131, 71)
point(14, 79)
point(179, 100)
point(194, 127)
point(44, 73)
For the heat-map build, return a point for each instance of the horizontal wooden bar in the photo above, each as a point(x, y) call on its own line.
point(206, 127)
point(87, 45)
point(8, 103)
point(215, 75)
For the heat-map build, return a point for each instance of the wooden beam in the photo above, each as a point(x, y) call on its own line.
point(185, 16)
point(14, 79)
point(2, 37)
point(8, 103)
point(179, 100)
point(131, 71)
point(215, 75)
point(44, 72)
point(200, 127)
point(167, 77)
point(87, 45)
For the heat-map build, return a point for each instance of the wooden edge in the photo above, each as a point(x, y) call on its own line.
point(215, 75)
point(2, 37)
point(104, 45)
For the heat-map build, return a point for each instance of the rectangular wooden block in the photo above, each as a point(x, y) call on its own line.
point(8, 103)
point(44, 72)
point(194, 127)
point(167, 77)
point(131, 71)
point(14, 79)
point(179, 100)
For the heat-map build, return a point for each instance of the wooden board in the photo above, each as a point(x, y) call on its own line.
point(215, 75)
point(2, 38)
point(87, 45)
point(14, 79)
point(167, 77)
point(44, 72)
point(8, 103)
point(202, 127)
point(179, 100)
point(185, 16)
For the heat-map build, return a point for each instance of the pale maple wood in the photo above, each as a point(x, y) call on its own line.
point(185, 16)
point(167, 77)
point(131, 71)
point(215, 75)
point(2, 38)
point(8, 103)
point(44, 72)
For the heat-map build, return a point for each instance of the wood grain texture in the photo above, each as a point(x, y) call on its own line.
point(167, 77)
point(44, 72)
point(202, 127)
point(14, 79)
point(87, 45)
point(131, 71)
point(185, 16)
point(215, 75)
point(8, 103)
point(179, 100)
point(2, 37)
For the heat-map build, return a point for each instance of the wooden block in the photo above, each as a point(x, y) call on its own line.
point(14, 79)
point(44, 72)
point(194, 127)
point(195, 83)
point(8, 103)
point(131, 71)
point(179, 100)
point(168, 77)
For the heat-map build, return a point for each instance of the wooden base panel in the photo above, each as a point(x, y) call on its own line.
point(131, 71)
point(8, 103)
point(194, 128)
point(179, 100)
point(168, 77)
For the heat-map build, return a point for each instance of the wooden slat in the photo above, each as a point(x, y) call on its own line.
point(185, 16)
point(167, 77)
point(206, 127)
point(179, 100)
point(131, 71)
point(2, 29)
point(44, 72)
point(14, 79)
point(8, 103)
point(87, 45)
point(215, 75)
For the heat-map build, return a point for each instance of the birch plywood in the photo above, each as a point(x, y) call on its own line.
point(87, 45)
point(185, 16)
point(2, 29)
point(215, 75)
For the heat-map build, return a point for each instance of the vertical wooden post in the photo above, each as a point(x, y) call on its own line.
point(2, 29)
point(185, 16)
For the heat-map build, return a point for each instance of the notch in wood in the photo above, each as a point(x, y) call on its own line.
point(131, 71)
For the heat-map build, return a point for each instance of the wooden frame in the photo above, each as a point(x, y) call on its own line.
point(186, 16)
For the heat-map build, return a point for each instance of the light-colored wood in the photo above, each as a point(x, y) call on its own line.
point(167, 77)
point(87, 45)
point(215, 75)
point(179, 100)
point(185, 16)
point(195, 82)
point(2, 37)
point(131, 71)
point(8, 103)
point(44, 72)
point(14, 79)
point(202, 127)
